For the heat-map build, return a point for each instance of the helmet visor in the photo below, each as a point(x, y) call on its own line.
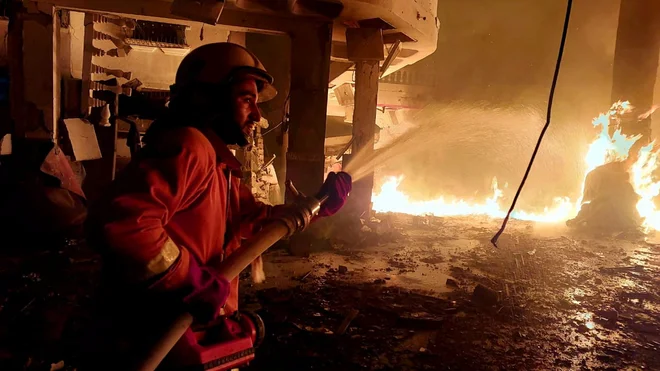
point(264, 81)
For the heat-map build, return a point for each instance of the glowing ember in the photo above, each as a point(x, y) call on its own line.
point(604, 149)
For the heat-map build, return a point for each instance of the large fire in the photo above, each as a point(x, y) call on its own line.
point(606, 148)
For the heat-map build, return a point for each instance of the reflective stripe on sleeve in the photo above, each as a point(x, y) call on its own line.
point(163, 261)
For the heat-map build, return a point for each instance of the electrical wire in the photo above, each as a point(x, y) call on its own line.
point(545, 127)
point(285, 116)
point(271, 129)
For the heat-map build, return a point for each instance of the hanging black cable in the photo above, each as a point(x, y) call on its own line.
point(285, 116)
point(545, 127)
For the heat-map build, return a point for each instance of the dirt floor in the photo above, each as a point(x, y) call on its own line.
point(546, 300)
point(557, 301)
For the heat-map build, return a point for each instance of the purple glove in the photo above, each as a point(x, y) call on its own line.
point(337, 186)
point(206, 292)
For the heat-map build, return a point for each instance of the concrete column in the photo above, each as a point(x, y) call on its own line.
point(35, 78)
point(636, 59)
point(274, 51)
point(310, 71)
point(17, 99)
point(364, 122)
point(366, 49)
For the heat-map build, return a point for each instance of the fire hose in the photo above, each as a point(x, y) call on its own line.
point(297, 219)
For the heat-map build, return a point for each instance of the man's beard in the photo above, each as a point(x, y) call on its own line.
point(230, 132)
point(218, 118)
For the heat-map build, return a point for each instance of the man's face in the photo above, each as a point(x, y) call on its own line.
point(244, 96)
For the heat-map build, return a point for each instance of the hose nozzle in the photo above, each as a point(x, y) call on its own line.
point(302, 211)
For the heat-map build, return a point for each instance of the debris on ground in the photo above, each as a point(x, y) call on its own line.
point(558, 301)
point(406, 298)
point(347, 321)
point(484, 295)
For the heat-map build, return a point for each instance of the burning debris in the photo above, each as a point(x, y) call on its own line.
point(609, 201)
point(617, 194)
point(619, 188)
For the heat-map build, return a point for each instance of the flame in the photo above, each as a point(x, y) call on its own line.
point(641, 175)
point(604, 149)
point(391, 199)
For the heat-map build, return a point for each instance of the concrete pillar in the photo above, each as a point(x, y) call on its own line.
point(636, 60)
point(34, 72)
point(17, 99)
point(310, 71)
point(364, 122)
point(365, 48)
point(274, 51)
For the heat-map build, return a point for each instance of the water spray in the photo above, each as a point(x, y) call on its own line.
point(545, 127)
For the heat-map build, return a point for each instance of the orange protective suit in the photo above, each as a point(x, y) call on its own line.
point(180, 200)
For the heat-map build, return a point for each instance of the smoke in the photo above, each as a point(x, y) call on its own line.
point(493, 68)
point(505, 51)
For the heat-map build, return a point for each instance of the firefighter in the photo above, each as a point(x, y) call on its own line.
point(178, 208)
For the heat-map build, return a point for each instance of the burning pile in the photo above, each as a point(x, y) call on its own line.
point(618, 189)
point(609, 200)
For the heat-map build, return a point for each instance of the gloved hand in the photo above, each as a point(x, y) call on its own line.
point(337, 186)
point(206, 292)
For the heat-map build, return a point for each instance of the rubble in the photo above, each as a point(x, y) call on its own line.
point(561, 309)
point(484, 295)
point(558, 299)
point(609, 314)
point(347, 321)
